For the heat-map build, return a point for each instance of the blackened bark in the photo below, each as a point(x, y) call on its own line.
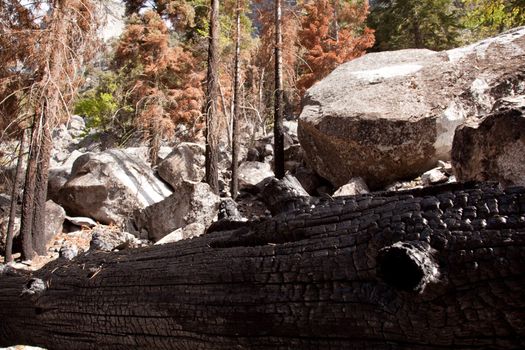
point(411, 270)
point(38, 230)
point(28, 198)
point(236, 104)
point(212, 132)
point(278, 133)
point(14, 199)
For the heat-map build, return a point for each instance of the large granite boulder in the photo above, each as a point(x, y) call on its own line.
point(391, 115)
point(109, 186)
point(492, 148)
point(190, 203)
point(184, 163)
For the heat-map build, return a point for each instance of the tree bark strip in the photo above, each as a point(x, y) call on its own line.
point(28, 198)
point(278, 134)
point(212, 132)
point(411, 270)
point(42, 174)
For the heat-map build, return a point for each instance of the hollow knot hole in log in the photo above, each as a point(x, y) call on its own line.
point(34, 286)
point(408, 266)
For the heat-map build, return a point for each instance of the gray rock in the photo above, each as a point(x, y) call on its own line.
point(190, 202)
point(59, 175)
point(184, 163)
point(253, 173)
point(392, 115)
point(492, 149)
point(192, 230)
point(81, 221)
point(76, 123)
point(55, 216)
point(109, 186)
point(106, 238)
point(434, 176)
point(354, 187)
point(68, 252)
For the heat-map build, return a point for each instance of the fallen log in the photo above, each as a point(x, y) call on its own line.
point(412, 270)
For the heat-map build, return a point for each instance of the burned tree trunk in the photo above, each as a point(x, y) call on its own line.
point(414, 270)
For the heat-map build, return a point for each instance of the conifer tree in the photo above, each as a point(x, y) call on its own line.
point(485, 18)
point(330, 37)
point(42, 56)
point(400, 24)
point(163, 83)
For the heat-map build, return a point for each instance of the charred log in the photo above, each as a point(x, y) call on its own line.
point(410, 270)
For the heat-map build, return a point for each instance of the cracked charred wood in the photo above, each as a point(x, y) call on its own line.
point(286, 194)
point(411, 270)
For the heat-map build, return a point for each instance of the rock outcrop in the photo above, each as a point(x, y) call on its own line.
point(492, 148)
point(391, 115)
point(109, 186)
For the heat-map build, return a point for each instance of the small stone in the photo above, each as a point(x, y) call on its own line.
point(434, 176)
point(68, 252)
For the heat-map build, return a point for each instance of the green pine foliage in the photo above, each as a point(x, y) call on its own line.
point(400, 24)
point(489, 17)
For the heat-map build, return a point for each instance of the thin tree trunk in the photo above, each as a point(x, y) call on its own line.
point(261, 102)
point(227, 113)
point(391, 271)
point(416, 31)
point(278, 133)
point(28, 199)
point(335, 24)
point(38, 229)
point(14, 199)
point(236, 105)
point(212, 132)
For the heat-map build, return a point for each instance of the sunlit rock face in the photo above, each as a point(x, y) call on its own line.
point(392, 115)
point(109, 186)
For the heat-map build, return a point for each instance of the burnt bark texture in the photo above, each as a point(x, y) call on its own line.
point(28, 198)
point(409, 270)
point(39, 209)
point(212, 94)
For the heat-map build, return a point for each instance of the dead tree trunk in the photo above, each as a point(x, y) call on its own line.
point(42, 174)
point(413, 270)
point(278, 133)
point(236, 104)
point(212, 132)
point(28, 198)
